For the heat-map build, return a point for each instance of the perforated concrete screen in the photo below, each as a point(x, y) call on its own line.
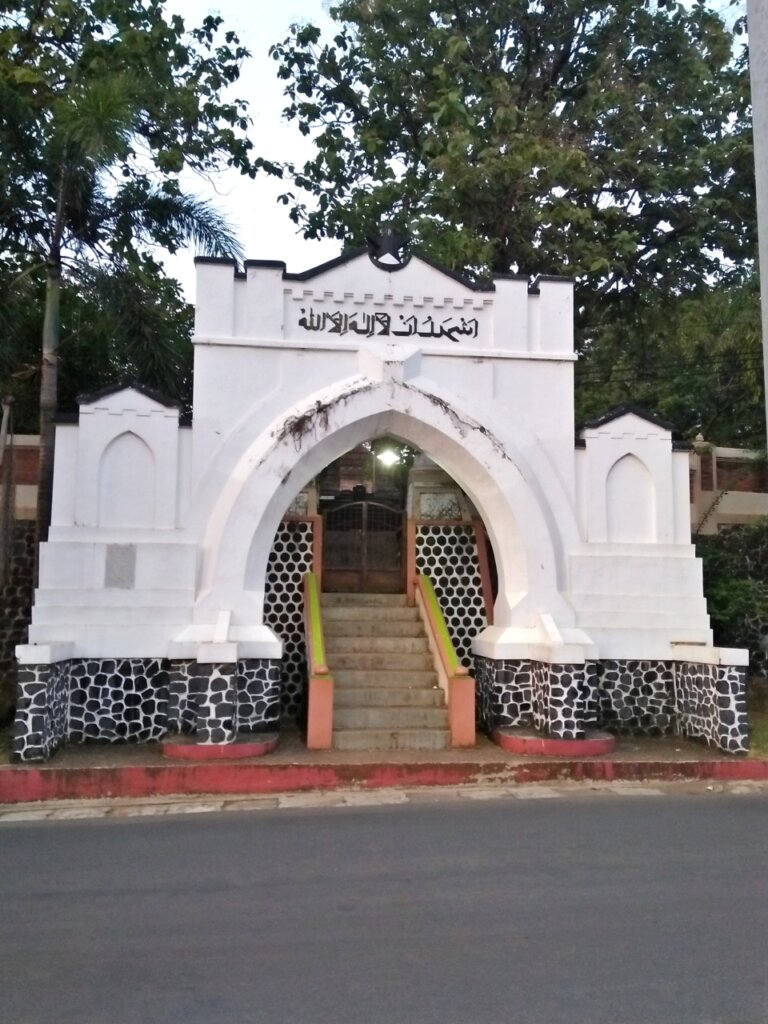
point(289, 560)
point(448, 555)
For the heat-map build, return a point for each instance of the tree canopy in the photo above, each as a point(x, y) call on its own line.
point(103, 105)
point(696, 360)
point(608, 140)
point(116, 325)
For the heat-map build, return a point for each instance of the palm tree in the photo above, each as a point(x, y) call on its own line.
point(97, 120)
point(96, 220)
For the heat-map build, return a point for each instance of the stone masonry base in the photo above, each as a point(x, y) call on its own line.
point(651, 698)
point(134, 699)
point(140, 699)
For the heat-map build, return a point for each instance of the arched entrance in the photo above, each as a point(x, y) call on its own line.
point(514, 503)
point(428, 527)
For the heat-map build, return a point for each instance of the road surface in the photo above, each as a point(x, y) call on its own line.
point(601, 908)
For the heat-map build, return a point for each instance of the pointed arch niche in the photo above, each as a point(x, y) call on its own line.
point(630, 502)
point(127, 475)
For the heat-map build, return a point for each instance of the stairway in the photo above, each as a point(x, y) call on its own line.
point(386, 694)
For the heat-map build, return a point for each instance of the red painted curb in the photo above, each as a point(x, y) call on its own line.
point(550, 746)
point(179, 750)
point(21, 784)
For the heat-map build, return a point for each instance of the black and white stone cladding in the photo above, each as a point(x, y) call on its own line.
point(559, 700)
point(115, 699)
point(183, 692)
point(217, 703)
point(484, 679)
point(523, 693)
point(258, 695)
point(591, 689)
point(632, 697)
point(42, 711)
point(504, 693)
point(257, 686)
point(137, 699)
point(712, 705)
point(484, 689)
point(637, 697)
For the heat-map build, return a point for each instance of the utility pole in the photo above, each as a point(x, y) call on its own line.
point(757, 25)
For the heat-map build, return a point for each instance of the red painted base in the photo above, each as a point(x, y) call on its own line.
point(521, 741)
point(183, 749)
point(23, 783)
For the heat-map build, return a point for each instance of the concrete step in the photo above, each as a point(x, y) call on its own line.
point(386, 695)
point(359, 600)
point(390, 718)
point(380, 626)
point(661, 618)
point(58, 597)
point(683, 604)
point(402, 696)
point(369, 613)
point(379, 662)
point(136, 639)
point(656, 644)
point(54, 614)
point(391, 739)
point(335, 645)
point(354, 678)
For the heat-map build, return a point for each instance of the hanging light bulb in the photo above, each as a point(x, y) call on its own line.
point(388, 457)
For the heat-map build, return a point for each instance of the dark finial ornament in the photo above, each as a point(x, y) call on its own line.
point(387, 250)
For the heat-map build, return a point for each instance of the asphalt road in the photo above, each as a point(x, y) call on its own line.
point(621, 910)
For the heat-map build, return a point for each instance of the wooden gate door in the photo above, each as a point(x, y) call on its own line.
point(363, 547)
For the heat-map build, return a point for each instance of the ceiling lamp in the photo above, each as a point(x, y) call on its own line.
point(388, 457)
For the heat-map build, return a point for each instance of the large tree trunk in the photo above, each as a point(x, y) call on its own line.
point(757, 17)
point(48, 394)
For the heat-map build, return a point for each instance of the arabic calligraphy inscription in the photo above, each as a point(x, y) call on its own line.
point(371, 325)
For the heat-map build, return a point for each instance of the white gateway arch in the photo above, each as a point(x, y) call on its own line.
point(154, 579)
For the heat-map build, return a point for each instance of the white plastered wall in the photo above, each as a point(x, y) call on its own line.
point(114, 583)
point(636, 584)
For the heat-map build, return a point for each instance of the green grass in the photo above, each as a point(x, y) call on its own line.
point(758, 733)
point(6, 735)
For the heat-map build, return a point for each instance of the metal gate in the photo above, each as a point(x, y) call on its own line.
point(363, 546)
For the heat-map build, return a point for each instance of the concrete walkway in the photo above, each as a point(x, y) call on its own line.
point(141, 771)
point(160, 807)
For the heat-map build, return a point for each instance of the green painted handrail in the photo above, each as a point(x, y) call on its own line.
point(313, 623)
point(451, 663)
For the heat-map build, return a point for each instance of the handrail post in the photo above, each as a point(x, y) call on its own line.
point(319, 681)
point(455, 681)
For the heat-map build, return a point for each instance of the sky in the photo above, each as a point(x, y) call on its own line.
point(261, 223)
